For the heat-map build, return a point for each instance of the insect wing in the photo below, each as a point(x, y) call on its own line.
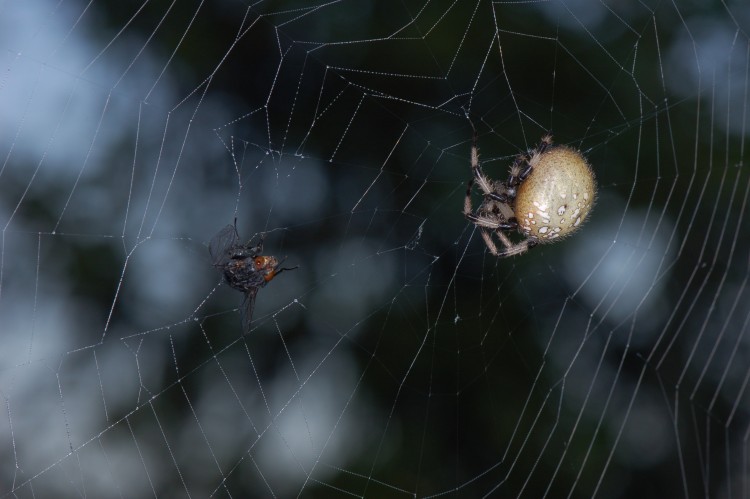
point(248, 304)
point(220, 245)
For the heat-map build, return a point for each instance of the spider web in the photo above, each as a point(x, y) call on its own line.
point(401, 359)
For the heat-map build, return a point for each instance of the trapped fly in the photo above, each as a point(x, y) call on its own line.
point(243, 266)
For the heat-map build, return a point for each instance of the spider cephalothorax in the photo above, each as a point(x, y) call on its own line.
point(548, 195)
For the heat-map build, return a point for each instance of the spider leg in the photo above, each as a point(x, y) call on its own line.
point(519, 248)
point(506, 242)
point(503, 198)
point(484, 183)
point(524, 165)
point(489, 242)
point(523, 171)
point(545, 143)
point(488, 189)
point(489, 223)
point(520, 169)
point(467, 200)
point(510, 248)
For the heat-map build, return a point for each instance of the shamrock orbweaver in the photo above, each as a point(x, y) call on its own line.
point(548, 195)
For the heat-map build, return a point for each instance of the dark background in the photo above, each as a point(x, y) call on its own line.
point(400, 359)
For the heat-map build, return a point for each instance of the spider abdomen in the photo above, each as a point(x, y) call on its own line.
point(557, 196)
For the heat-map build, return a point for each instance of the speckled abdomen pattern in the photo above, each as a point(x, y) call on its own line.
point(555, 199)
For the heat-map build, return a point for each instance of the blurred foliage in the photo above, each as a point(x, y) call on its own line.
point(454, 371)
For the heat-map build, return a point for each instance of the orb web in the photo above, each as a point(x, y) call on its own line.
point(400, 358)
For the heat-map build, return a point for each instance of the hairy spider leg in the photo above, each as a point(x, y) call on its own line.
point(521, 169)
point(524, 165)
point(510, 248)
point(491, 224)
point(479, 175)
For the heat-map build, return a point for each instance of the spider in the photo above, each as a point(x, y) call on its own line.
point(548, 195)
point(243, 266)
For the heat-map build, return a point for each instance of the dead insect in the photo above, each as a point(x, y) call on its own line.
point(243, 266)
